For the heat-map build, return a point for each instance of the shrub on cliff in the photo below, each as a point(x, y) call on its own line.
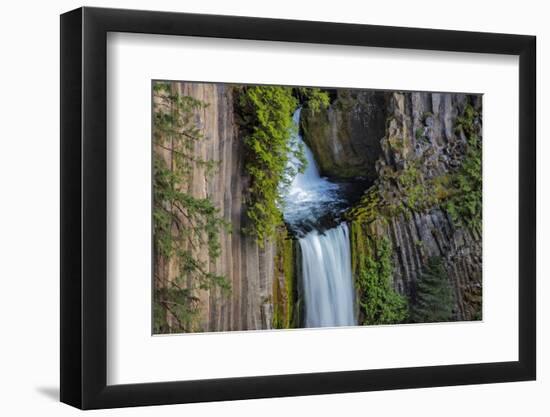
point(378, 301)
point(266, 113)
point(465, 204)
point(266, 120)
point(434, 297)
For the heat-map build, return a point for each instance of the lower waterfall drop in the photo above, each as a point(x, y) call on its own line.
point(328, 285)
point(326, 256)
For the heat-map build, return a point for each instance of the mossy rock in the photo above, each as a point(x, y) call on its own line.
point(285, 280)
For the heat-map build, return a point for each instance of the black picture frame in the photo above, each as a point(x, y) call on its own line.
point(84, 207)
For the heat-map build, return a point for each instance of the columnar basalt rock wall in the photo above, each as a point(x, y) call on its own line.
point(248, 267)
point(345, 137)
point(425, 124)
point(381, 136)
point(418, 141)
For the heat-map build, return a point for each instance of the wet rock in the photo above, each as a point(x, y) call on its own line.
point(345, 138)
point(420, 137)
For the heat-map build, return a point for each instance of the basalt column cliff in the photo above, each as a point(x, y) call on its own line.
point(364, 206)
point(423, 153)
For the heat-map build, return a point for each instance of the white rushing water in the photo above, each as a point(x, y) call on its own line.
point(309, 197)
point(328, 285)
point(326, 255)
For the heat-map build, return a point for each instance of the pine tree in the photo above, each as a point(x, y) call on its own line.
point(184, 225)
point(434, 298)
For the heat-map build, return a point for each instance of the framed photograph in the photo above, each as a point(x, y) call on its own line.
point(256, 208)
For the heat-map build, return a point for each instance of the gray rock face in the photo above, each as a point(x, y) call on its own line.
point(248, 267)
point(433, 234)
point(345, 138)
point(423, 124)
point(421, 140)
point(369, 134)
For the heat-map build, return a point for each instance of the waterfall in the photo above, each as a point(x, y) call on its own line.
point(326, 256)
point(328, 285)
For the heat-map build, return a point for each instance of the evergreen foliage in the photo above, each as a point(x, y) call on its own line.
point(434, 297)
point(459, 191)
point(313, 98)
point(378, 301)
point(266, 118)
point(183, 225)
point(465, 204)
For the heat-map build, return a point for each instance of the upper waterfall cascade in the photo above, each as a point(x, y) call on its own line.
point(326, 256)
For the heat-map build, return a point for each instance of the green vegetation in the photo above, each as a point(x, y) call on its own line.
point(267, 119)
point(367, 209)
point(415, 194)
point(266, 113)
point(379, 303)
point(314, 99)
point(459, 191)
point(418, 133)
point(402, 192)
point(434, 298)
point(465, 204)
point(284, 292)
point(184, 226)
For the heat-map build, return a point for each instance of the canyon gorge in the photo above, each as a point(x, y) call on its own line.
point(390, 186)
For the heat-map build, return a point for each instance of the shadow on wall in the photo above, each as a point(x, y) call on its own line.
point(49, 392)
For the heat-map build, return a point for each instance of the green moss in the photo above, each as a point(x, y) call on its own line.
point(465, 202)
point(396, 143)
point(367, 209)
point(284, 293)
point(372, 269)
point(411, 192)
point(459, 192)
point(402, 192)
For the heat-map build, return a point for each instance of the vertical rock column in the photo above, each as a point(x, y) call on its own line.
point(248, 267)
